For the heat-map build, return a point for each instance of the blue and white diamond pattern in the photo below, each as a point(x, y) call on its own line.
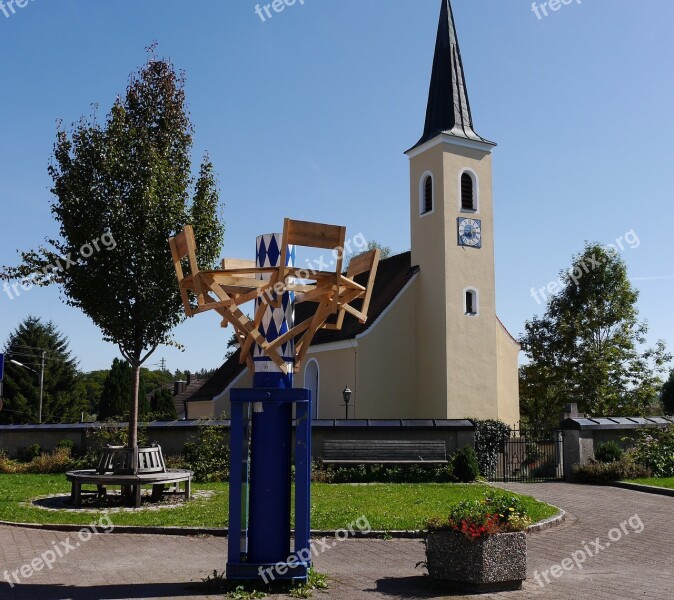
point(276, 321)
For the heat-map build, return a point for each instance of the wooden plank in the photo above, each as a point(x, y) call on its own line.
point(315, 235)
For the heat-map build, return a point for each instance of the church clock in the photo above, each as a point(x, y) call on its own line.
point(470, 232)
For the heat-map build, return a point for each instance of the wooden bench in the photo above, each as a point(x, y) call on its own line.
point(384, 451)
point(115, 467)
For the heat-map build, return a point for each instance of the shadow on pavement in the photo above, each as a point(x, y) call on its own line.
point(101, 592)
point(420, 586)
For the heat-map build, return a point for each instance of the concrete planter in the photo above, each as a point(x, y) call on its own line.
point(493, 563)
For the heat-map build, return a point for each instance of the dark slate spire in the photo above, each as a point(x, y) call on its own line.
point(448, 109)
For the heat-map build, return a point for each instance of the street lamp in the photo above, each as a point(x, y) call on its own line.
point(346, 393)
point(16, 362)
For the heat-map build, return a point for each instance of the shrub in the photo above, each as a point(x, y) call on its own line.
point(624, 468)
point(608, 453)
point(68, 444)
point(489, 438)
point(496, 513)
point(381, 473)
point(208, 457)
point(466, 467)
point(29, 453)
point(58, 461)
point(654, 448)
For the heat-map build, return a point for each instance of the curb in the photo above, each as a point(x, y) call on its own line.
point(222, 532)
point(558, 519)
point(647, 489)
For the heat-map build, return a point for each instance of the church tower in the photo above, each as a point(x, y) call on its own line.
point(452, 235)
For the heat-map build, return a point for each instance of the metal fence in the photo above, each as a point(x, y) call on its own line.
point(530, 455)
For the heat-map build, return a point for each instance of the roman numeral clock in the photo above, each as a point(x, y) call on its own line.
point(470, 232)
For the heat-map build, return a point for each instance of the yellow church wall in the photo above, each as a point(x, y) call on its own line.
point(387, 379)
point(508, 381)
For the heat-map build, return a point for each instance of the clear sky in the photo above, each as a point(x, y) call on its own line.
point(307, 115)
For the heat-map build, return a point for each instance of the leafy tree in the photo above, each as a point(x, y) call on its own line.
point(61, 401)
point(588, 347)
point(90, 386)
point(121, 189)
point(667, 396)
point(163, 406)
point(117, 391)
point(386, 251)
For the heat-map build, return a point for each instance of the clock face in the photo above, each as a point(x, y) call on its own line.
point(470, 232)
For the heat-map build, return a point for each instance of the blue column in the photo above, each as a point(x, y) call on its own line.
point(271, 444)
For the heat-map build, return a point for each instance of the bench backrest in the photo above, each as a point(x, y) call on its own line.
point(384, 451)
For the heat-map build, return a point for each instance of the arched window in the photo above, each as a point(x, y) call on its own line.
point(468, 199)
point(470, 302)
point(426, 194)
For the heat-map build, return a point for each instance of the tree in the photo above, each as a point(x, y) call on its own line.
point(121, 189)
point(163, 406)
point(117, 389)
point(667, 396)
point(588, 347)
point(61, 401)
point(386, 252)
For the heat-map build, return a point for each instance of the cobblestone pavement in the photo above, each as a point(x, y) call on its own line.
point(125, 567)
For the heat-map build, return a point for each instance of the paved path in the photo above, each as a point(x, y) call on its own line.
point(125, 567)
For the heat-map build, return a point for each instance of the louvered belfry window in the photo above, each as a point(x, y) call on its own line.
point(428, 194)
point(467, 192)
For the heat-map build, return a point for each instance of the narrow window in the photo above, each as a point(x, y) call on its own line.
point(428, 195)
point(467, 192)
point(471, 302)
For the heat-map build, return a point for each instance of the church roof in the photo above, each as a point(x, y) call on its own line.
point(393, 275)
point(448, 109)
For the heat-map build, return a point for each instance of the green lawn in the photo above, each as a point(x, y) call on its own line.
point(386, 506)
point(663, 482)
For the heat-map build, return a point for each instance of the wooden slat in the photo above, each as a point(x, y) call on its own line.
point(384, 451)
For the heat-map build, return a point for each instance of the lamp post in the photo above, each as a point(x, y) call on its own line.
point(16, 362)
point(346, 394)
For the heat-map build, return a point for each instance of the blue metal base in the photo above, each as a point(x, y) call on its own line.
point(262, 536)
point(268, 572)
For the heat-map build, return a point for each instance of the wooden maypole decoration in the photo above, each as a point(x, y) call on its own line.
point(273, 347)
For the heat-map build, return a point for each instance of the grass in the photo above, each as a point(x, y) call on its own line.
point(386, 506)
point(663, 482)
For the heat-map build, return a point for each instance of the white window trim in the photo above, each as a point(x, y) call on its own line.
point(318, 383)
point(476, 192)
point(422, 194)
point(476, 302)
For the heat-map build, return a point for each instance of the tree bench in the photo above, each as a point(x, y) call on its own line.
point(115, 468)
point(384, 451)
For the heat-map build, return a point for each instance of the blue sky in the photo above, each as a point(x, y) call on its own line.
point(308, 114)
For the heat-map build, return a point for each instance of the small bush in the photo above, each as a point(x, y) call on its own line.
point(466, 467)
point(68, 444)
point(624, 468)
point(654, 448)
point(29, 453)
point(609, 452)
point(209, 457)
point(58, 461)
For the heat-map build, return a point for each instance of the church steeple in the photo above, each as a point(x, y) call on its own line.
point(448, 108)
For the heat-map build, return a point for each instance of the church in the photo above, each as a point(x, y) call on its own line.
point(433, 346)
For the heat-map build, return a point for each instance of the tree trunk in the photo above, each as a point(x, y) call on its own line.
point(133, 415)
